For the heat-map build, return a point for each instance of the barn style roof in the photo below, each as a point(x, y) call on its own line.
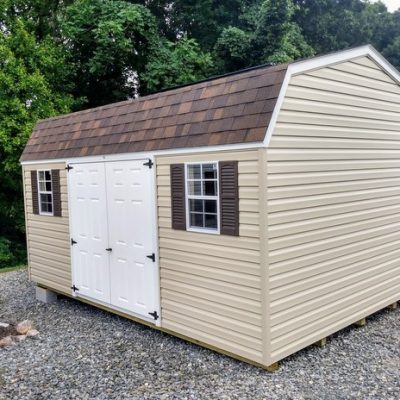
point(231, 109)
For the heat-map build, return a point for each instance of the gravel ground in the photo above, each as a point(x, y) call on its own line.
point(85, 353)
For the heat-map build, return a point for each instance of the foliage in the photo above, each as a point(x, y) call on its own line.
point(33, 81)
point(268, 35)
point(109, 43)
point(6, 256)
point(175, 64)
point(233, 48)
point(278, 38)
point(392, 52)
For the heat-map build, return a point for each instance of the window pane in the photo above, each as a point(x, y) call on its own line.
point(210, 188)
point(209, 171)
point(196, 220)
point(194, 171)
point(42, 186)
point(45, 198)
point(195, 188)
point(196, 205)
point(210, 206)
point(211, 221)
point(48, 186)
point(47, 175)
point(41, 175)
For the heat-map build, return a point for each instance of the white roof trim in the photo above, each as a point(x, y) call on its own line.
point(324, 61)
point(143, 155)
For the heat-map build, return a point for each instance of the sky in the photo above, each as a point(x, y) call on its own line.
point(392, 5)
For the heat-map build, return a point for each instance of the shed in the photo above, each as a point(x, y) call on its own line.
point(254, 213)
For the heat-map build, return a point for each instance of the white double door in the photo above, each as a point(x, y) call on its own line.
point(112, 223)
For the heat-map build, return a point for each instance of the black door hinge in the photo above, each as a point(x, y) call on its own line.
point(74, 288)
point(154, 315)
point(68, 167)
point(73, 242)
point(152, 257)
point(149, 163)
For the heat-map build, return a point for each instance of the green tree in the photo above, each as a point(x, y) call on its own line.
point(268, 35)
point(277, 37)
point(175, 64)
point(41, 17)
point(233, 49)
point(204, 20)
point(329, 25)
point(109, 43)
point(392, 52)
point(34, 83)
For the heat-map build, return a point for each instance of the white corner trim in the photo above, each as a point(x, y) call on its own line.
point(277, 108)
point(300, 67)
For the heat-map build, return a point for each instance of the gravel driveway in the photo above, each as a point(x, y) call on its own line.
point(85, 353)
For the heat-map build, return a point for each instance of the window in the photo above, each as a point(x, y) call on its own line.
point(202, 196)
point(45, 191)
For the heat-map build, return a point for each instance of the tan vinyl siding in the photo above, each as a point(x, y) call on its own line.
point(211, 284)
point(333, 203)
point(48, 237)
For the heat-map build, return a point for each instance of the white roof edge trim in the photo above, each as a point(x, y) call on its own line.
point(323, 61)
point(152, 154)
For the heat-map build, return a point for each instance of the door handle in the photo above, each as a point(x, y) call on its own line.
point(109, 249)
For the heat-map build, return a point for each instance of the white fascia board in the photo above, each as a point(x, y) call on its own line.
point(324, 61)
point(151, 155)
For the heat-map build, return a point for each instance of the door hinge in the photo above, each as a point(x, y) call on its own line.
point(152, 257)
point(149, 163)
point(154, 315)
point(73, 242)
point(74, 288)
point(108, 249)
point(68, 167)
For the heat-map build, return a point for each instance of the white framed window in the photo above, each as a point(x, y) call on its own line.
point(45, 192)
point(202, 197)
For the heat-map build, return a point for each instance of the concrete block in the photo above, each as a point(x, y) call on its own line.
point(45, 295)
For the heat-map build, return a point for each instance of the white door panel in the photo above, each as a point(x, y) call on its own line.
point(132, 273)
point(88, 207)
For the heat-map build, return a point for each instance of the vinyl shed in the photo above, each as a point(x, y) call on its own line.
point(254, 213)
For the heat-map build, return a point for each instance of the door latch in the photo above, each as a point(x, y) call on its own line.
point(109, 249)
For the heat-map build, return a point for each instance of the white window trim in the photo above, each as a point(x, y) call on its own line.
point(187, 197)
point(45, 192)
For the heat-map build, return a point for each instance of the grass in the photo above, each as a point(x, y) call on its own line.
point(15, 268)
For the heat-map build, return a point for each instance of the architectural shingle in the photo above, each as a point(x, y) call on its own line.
point(230, 109)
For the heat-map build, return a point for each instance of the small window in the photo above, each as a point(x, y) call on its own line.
point(45, 192)
point(202, 197)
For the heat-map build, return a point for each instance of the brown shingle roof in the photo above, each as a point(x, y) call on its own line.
point(231, 109)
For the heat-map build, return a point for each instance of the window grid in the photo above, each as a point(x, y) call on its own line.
point(209, 214)
point(45, 192)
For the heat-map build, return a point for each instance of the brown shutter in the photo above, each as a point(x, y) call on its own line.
point(229, 198)
point(178, 196)
point(35, 195)
point(55, 185)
